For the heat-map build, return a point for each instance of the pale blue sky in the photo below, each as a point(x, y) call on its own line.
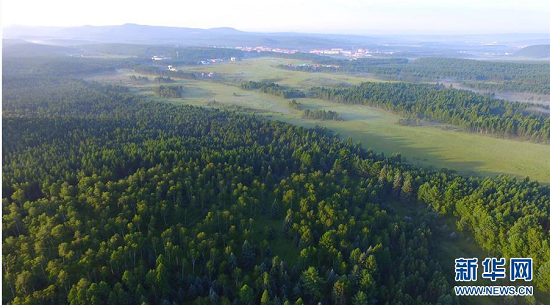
point(320, 16)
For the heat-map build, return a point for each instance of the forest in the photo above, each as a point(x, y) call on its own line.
point(506, 86)
point(178, 55)
point(321, 114)
point(60, 66)
point(111, 199)
point(493, 75)
point(471, 111)
point(108, 198)
point(168, 91)
point(160, 79)
point(140, 79)
point(273, 89)
point(316, 114)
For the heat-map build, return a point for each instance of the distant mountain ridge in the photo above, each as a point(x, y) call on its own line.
point(139, 34)
point(536, 51)
point(469, 46)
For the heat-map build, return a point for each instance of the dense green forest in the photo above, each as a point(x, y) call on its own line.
point(471, 111)
point(498, 76)
point(109, 198)
point(274, 89)
point(177, 55)
point(60, 66)
point(505, 86)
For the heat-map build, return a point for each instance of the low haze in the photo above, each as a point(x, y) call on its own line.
point(326, 16)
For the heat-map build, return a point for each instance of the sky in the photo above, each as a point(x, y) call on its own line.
point(311, 16)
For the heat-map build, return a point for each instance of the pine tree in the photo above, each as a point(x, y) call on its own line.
point(232, 262)
point(397, 183)
point(339, 293)
point(287, 223)
point(246, 294)
point(214, 298)
point(275, 209)
point(248, 256)
point(360, 298)
point(407, 191)
point(265, 297)
point(313, 283)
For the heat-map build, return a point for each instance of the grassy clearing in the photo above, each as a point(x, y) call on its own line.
point(280, 245)
point(265, 69)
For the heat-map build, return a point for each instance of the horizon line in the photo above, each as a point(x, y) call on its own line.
point(392, 32)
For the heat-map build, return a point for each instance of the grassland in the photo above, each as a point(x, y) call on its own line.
point(258, 69)
point(433, 145)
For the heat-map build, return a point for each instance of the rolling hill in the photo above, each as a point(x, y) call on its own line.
point(536, 51)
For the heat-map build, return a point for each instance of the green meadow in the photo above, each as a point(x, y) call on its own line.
point(430, 146)
point(264, 68)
